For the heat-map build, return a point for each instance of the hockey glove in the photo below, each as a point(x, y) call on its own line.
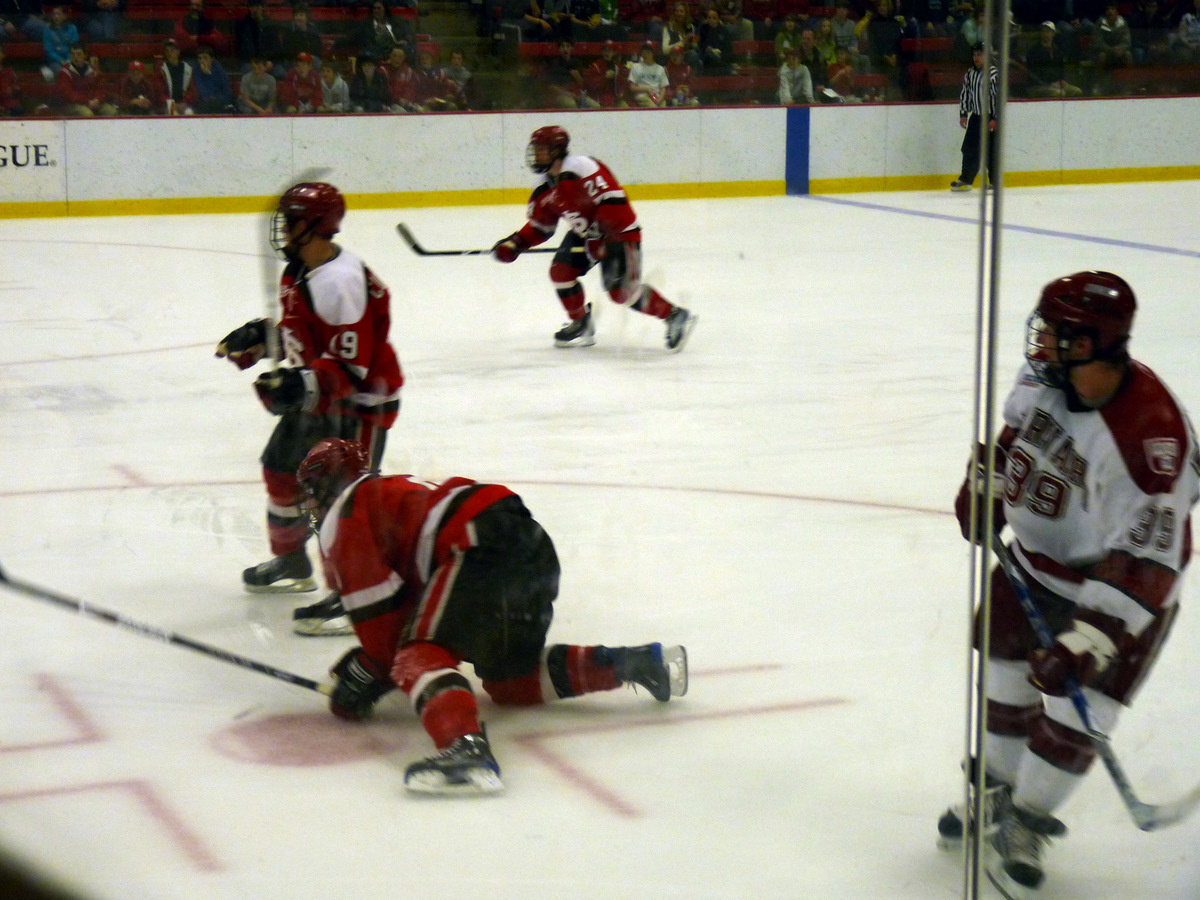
point(1083, 651)
point(510, 248)
point(246, 345)
point(284, 390)
point(986, 500)
point(358, 685)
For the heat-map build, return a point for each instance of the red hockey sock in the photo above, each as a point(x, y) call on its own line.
point(576, 670)
point(449, 716)
point(652, 303)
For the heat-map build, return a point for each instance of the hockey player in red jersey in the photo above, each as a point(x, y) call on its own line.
point(603, 229)
point(1099, 472)
point(343, 380)
point(435, 575)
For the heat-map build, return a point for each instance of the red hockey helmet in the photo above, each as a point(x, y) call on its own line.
point(330, 467)
point(319, 205)
point(553, 137)
point(1095, 305)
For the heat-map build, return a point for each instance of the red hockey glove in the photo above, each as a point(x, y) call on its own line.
point(987, 501)
point(246, 345)
point(284, 390)
point(1083, 651)
point(359, 684)
point(510, 248)
point(596, 248)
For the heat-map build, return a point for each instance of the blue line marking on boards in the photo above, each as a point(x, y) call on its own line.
point(796, 150)
point(1023, 229)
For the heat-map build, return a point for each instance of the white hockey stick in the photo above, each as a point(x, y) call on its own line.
point(1147, 817)
point(160, 634)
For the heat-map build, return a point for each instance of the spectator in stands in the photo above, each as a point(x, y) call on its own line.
point(550, 20)
point(1112, 43)
point(255, 35)
point(811, 58)
point(586, 22)
point(648, 80)
point(10, 91)
point(80, 92)
point(214, 95)
point(257, 90)
point(176, 92)
point(1187, 34)
point(714, 46)
point(300, 90)
point(765, 16)
point(135, 93)
point(738, 26)
point(300, 36)
point(825, 43)
point(104, 20)
point(380, 32)
point(369, 88)
point(787, 38)
point(845, 33)
point(646, 17)
point(401, 82)
point(21, 20)
point(196, 28)
point(795, 81)
point(562, 79)
point(434, 91)
point(605, 78)
point(679, 31)
point(841, 74)
point(458, 72)
point(679, 78)
point(883, 33)
point(1150, 30)
point(1047, 66)
point(335, 93)
point(58, 37)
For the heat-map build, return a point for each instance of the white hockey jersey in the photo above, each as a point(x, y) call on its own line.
point(1100, 500)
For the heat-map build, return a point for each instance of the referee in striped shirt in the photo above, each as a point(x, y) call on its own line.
point(970, 117)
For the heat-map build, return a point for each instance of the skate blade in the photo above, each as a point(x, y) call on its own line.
point(466, 783)
point(687, 333)
point(335, 627)
point(675, 659)
point(1008, 888)
point(283, 586)
point(588, 341)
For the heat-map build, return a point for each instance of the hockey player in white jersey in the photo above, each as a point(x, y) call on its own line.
point(1098, 474)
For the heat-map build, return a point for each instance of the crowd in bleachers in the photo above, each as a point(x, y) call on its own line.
point(163, 57)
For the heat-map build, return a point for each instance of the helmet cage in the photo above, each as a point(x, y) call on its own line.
point(321, 206)
point(1094, 305)
point(552, 136)
point(328, 469)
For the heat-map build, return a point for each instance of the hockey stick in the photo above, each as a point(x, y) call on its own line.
point(416, 247)
point(1146, 816)
point(167, 637)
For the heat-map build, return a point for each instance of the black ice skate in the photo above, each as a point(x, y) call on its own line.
point(660, 670)
point(288, 574)
point(577, 333)
point(325, 618)
point(997, 798)
point(465, 767)
point(679, 328)
point(1017, 869)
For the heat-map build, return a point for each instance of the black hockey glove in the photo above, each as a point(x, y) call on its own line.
point(284, 390)
point(358, 685)
point(246, 345)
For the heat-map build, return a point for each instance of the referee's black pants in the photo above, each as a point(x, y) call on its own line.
point(970, 151)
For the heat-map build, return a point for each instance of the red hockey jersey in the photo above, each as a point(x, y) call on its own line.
point(587, 196)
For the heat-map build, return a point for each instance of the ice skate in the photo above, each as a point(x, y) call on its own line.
point(326, 618)
point(996, 802)
point(957, 185)
point(1016, 869)
point(660, 670)
point(679, 328)
point(288, 574)
point(465, 767)
point(578, 332)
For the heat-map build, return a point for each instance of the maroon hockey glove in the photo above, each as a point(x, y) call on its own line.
point(282, 390)
point(510, 248)
point(992, 500)
point(596, 248)
point(1083, 651)
point(246, 345)
point(359, 684)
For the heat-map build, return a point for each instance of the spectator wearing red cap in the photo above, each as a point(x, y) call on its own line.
point(301, 89)
point(135, 94)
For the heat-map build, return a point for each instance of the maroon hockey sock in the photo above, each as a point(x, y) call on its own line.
point(652, 303)
point(449, 716)
point(576, 670)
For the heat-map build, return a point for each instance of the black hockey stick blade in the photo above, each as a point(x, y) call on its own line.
point(168, 637)
point(409, 238)
point(1147, 816)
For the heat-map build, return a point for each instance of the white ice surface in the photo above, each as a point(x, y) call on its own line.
point(777, 498)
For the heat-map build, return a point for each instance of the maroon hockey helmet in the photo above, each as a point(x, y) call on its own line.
point(330, 467)
point(1095, 305)
point(554, 137)
point(321, 206)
